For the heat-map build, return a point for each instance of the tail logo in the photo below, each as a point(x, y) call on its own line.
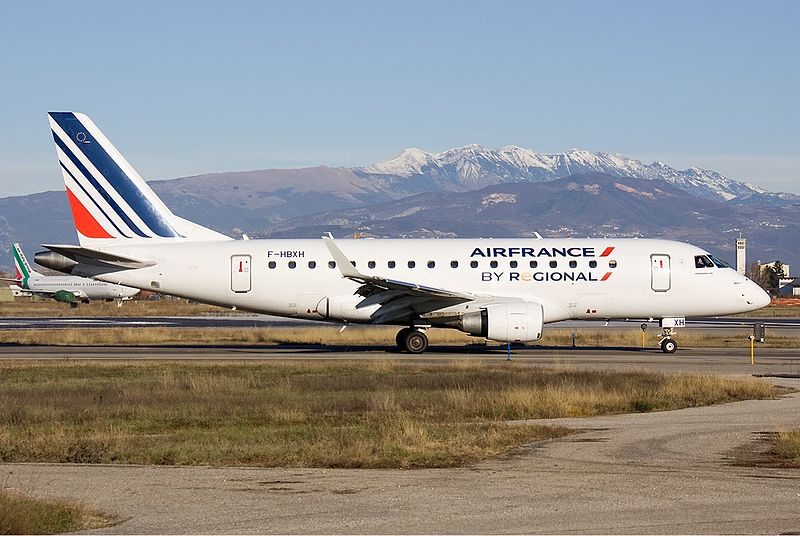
point(108, 198)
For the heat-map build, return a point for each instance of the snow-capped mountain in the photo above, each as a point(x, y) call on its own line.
point(473, 166)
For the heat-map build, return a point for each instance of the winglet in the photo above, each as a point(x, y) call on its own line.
point(344, 264)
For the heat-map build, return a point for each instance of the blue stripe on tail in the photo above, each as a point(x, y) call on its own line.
point(103, 212)
point(115, 176)
point(105, 195)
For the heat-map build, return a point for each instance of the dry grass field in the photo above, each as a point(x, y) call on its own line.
point(21, 514)
point(308, 414)
point(786, 448)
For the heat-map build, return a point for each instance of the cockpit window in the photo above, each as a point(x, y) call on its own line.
point(719, 262)
point(703, 261)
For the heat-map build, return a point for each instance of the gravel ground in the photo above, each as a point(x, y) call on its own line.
point(668, 472)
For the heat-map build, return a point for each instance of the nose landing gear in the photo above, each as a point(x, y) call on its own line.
point(668, 325)
point(412, 340)
point(668, 344)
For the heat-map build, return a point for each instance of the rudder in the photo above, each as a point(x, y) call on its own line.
point(109, 199)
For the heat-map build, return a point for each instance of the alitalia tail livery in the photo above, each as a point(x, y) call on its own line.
point(69, 289)
point(502, 289)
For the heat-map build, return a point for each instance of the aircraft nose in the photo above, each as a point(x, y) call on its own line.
point(757, 297)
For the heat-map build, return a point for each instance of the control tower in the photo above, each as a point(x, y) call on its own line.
point(741, 255)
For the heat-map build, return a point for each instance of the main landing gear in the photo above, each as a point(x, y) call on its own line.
point(412, 340)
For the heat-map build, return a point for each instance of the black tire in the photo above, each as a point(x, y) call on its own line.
point(668, 346)
point(415, 342)
point(400, 339)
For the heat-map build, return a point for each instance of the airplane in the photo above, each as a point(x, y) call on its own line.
point(67, 289)
point(505, 290)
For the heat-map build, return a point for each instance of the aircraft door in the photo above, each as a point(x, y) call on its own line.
point(240, 273)
point(660, 274)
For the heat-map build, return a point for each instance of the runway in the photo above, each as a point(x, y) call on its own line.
point(666, 472)
point(769, 361)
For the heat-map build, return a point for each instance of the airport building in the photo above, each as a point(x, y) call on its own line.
point(787, 285)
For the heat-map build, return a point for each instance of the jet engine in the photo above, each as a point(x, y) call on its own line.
point(55, 261)
point(507, 322)
point(65, 296)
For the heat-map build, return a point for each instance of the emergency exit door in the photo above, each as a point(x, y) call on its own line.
point(660, 276)
point(240, 273)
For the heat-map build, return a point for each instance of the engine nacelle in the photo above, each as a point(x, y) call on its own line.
point(507, 322)
point(65, 296)
point(55, 261)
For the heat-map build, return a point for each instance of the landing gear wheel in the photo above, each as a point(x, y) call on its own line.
point(415, 342)
point(668, 346)
point(401, 337)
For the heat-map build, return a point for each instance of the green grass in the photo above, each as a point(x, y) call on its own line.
point(311, 414)
point(21, 514)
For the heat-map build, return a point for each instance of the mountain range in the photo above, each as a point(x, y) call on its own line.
point(466, 191)
point(472, 167)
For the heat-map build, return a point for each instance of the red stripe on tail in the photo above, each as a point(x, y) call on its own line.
point(84, 221)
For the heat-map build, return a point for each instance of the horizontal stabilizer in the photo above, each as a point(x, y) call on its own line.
point(83, 255)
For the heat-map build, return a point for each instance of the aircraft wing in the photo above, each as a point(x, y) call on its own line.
point(398, 299)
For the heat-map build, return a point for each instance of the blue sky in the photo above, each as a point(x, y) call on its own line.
point(183, 88)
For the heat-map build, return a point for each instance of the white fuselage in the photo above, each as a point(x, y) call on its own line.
point(81, 287)
point(590, 278)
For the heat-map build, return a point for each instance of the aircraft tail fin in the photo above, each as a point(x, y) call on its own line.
point(111, 203)
point(24, 270)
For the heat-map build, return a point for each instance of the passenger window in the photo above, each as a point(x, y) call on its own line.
point(371, 264)
point(331, 264)
point(431, 264)
point(292, 265)
point(411, 264)
point(534, 264)
point(553, 264)
point(391, 264)
point(612, 264)
point(573, 264)
point(493, 264)
point(473, 264)
point(312, 264)
point(513, 264)
point(453, 264)
point(271, 265)
point(592, 264)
